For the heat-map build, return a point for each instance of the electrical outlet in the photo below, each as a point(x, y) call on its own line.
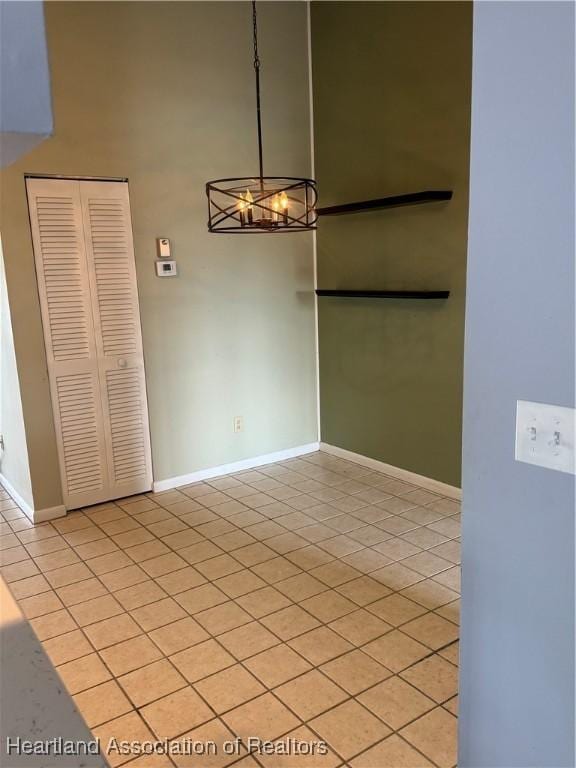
point(238, 423)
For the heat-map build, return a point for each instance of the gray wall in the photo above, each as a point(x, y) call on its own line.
point(517, 656)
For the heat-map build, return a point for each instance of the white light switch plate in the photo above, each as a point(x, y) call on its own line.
point(545, 435)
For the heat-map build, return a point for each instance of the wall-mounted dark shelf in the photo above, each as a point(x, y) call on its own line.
point(357, 294)
point(394, 201)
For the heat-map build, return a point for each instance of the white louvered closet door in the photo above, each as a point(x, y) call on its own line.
point(87, 283)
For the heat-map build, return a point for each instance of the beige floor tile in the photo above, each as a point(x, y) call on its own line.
point(310, 694)
point(234, 540)
point(295, 520)
point(355, 671)
point(328, 606)
point(300, 587)
point(38, 533)
point(132, 538)
point(102, 703)
point(112, 631)
point(229, 688)
point(47, 546)
point(130, 654)
point(147, 550)
point(83, 673)
point(396, 650)
point(200, 598)
point(451, 653)
point(276, 570)
point(33, 585)
point(435, 735)
point(264, 530)
point(240, 583)
point(309, 558)
point(432, 630)
point(315, 756)
point(158, 566)
point(140, 594)
point(182, 539)
point(69, 574)
point(452, 706)
point(180, 581)
point(254, 554)
point(393, 752)
point(67, 647)
point(366, 560)
point(84, 536)
point(289, 622)
point(397, 525)
point(450, 611)
point(95, 549)
point(129, 728)
point(167, 527)
point(363, 590)
point(184, 507)
point(286, 542)
point(320, 645)
point(247, 640)
point(397, 576)
point(123, 578)
point(277, 665)
point(450, 578)
point(151, 682)
point(435, 677)
point(264, 718)
point(425, 538)
point(360, 627)
point(396, 610)
point(214, 735)
point(176, 713)
point(217, 567)
point(450, 550)
point(263, 602)
point(396, 702)
point(57, 559)
point(178, 635)
point(38, 605)
point(335, 573)
point(350, 728)
point(369, 535)
point(120, 525)
point(223, 618)
point(20, 570)
point(13, 555)
point(53, 624)
point(339, 546)
point(427, 564)
point(153, 516)
point(95, 610)
point(201, 660)
point(198, 553)
point(113, 561)
point(81, 592)
point(430, 594)
point(316, 532)
point(157, 614)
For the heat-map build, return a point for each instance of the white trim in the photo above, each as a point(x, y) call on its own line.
point(22, 503)
point(436, 486)
point(49, 513)
point(237, 466)
point(314, 234)
point(34, 515)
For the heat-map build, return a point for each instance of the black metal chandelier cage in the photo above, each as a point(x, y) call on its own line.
point(261, 204)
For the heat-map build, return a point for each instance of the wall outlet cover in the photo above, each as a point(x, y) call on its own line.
point(545, 435)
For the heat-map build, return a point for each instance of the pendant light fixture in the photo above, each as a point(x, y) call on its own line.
point(261, 203)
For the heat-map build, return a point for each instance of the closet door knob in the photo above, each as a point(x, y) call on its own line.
point(122, 363)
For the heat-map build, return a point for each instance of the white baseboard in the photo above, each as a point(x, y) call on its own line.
point(49, 513)
point(237, 466)
point(436, 486)
point(35, 515)
point(22, 503)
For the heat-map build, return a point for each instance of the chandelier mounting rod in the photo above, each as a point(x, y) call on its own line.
point(257, 73)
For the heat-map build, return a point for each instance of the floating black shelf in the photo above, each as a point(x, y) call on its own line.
point(394, 201)
point(357, 294)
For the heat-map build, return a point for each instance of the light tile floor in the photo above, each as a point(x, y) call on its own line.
point(312, 599)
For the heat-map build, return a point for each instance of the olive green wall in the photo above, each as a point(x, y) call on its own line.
point(163, 93)
point(391, 85)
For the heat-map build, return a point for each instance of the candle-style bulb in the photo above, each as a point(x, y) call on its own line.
point(249, 200)
point(284, 206)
